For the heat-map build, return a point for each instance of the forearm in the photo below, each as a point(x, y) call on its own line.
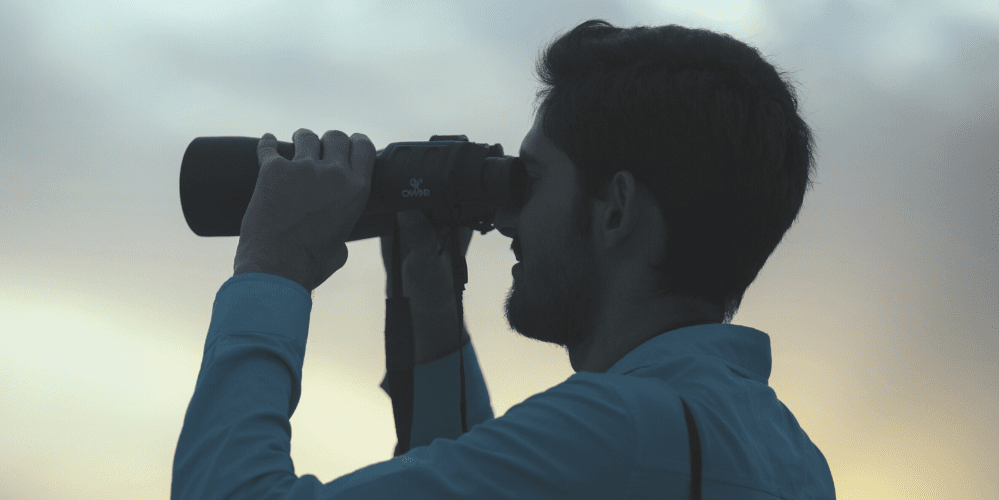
point(437, 391)
point(435, 331)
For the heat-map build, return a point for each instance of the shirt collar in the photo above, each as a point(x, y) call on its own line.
point(746, 350)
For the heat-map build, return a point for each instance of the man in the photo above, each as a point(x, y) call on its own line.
point(638, 238)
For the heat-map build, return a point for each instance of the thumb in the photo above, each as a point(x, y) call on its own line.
point(419, 235)
point(414, 218)
point(331, 263)
point(415, 224)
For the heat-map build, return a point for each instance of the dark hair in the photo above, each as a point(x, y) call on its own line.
point(705, 123)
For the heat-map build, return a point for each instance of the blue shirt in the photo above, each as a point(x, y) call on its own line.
point(619, 434)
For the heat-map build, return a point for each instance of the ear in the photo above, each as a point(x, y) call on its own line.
point(623, 207)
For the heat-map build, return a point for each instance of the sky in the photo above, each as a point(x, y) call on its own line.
point(881, 302)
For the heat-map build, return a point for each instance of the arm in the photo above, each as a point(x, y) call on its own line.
point(435, 330)
point(436, 382)
point(236, 437)
point(427, 282)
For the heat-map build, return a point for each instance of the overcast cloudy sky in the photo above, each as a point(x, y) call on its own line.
point(881, 302)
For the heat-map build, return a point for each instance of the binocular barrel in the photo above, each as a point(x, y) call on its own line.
point(450, 178)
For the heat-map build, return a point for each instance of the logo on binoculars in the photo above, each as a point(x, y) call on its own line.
point(416, 191)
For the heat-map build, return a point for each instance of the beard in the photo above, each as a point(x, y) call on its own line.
point(556, 297)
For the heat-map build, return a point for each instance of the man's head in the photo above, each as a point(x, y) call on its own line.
point(583, 270)
point(703, 136)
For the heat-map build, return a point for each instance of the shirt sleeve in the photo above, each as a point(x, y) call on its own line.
point(575, 440)
point(437, 397)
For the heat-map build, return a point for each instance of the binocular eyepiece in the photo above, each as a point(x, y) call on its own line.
point(448, 177)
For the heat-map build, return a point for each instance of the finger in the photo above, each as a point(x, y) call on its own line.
point(266, 149)
point(306, 144)
point(362, 155)
point(413, 218)
point(335, 146)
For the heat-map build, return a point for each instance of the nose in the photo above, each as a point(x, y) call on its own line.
point(505, 221)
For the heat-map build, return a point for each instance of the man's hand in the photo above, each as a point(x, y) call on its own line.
point(302, 211)
point(427, 282)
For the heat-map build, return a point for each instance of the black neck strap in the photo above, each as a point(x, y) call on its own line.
point(400, 342)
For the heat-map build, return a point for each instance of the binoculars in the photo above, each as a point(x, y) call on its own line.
point(455, 182)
